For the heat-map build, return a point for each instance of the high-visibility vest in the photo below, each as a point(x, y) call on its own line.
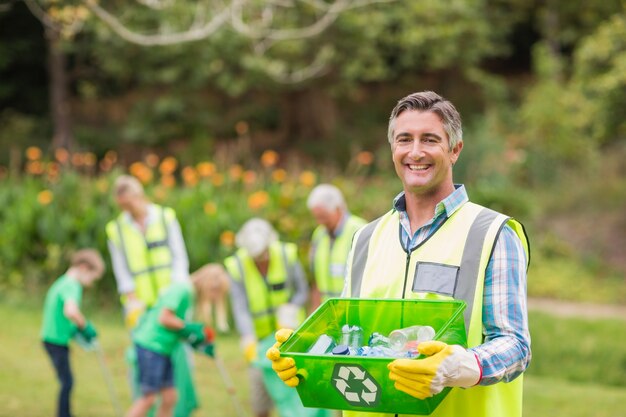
point(265, 294)
point(451, 263)
point(148, 256)
point(329, 262)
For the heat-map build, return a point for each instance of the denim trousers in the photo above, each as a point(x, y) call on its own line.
point(60, 357)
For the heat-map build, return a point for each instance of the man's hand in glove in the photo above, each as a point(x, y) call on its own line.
point(445, 366)
point(284, 367)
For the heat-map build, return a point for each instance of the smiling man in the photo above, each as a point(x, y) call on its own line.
point(436, 244)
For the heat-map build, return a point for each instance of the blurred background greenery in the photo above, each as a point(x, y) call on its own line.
point(228, 109)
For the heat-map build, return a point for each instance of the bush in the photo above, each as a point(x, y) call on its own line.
point(58, 205)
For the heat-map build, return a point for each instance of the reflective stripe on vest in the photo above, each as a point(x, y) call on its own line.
point(265, 294)
point(330, 258)
point(451, 263)
point(148, 256)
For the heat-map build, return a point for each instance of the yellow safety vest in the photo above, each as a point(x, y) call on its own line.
point(451, 263)
point(329, 262)
point(148, 256)
point(265, 294)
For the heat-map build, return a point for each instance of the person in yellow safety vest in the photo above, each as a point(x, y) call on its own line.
point(331, 240)
point(435, 243)
point(148, 254)
point(268, 291)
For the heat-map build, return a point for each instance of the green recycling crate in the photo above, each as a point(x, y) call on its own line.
point(362, 383)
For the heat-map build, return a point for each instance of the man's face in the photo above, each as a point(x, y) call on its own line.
point(130, 202)
point(421, 153)
point(327, 218)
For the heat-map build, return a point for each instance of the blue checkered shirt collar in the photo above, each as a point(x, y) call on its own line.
point(450, 204)
point(444, 209)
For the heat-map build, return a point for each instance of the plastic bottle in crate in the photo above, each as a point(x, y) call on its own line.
point(324, 344)
point(352, 336)
point(404, 339)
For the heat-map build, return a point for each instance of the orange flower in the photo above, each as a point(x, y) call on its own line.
point(189, 176)
point(62, 155)
point(77, 159)
point(141, 171)
point(365, 158)
point(111, 157)
point(307, 178)
point(279, 175)
point(235, 172)
point(33, 153)
point(45, 197)
point(53, 167)
point(217, 179)
point(105, 165)
point(34, 167)
point(227, 238)
point(89, 159)
point(249, 177)
point(241, 127)
point(168, 181)
point(152, 160)
point(269, 158)
point(135, 168)
point(168, 165)
point(210, 208)
point(258, 200)
point(53, 170)
point(205, 169)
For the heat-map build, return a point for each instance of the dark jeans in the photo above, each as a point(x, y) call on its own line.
point(59, 355)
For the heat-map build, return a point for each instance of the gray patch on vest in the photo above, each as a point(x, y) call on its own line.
point(435, 278)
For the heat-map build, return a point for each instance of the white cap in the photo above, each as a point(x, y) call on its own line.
point(255, 236)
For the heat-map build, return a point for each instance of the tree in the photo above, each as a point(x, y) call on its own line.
point(179, 22)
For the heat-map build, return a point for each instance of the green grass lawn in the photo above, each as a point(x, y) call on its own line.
point(28, 386)
point(577, 370)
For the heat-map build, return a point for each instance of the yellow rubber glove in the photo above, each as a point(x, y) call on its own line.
point(285, 368)
point(445, 366)
point(250, 352)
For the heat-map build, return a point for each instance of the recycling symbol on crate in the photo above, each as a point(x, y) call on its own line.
point(356, 385)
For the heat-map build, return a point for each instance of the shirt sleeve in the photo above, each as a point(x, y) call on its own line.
point(180, 261)
point(123, 277)
point(241, 309)
point(72, 293)
point(505, 352)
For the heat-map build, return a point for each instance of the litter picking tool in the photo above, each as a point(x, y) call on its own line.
point(107, 378)
point(230, 387)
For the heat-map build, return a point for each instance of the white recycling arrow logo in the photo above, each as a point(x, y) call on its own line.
point(356, 385)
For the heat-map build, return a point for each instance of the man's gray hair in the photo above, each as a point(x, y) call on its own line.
point(127, 184)
point(327, 196)
point(433, 102)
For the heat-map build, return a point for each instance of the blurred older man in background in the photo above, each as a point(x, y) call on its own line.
point(331, 241)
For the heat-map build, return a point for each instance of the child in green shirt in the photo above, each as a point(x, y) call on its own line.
point(62, 318)
point(159, 330)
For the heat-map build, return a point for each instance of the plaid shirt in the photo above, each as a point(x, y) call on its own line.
point(505, 353)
